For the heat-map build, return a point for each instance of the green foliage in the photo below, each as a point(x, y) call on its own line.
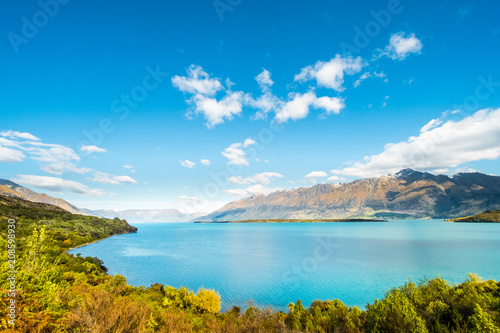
point(59, 292)
point(482, 321)
point(331, 316)
point(488, 216)
point(206, 301)
point(395, 313)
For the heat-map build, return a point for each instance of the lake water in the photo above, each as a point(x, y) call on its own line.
point(274, 264)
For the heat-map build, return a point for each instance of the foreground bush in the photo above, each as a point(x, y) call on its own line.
point(58, 292)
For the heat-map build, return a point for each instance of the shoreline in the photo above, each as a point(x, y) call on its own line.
point(79, 246)
point(96, 241)
point(298, 221)
point(491, 222)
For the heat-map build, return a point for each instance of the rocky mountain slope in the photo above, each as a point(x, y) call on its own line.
point(13, 201)
point(407, 194)
point(12, 189)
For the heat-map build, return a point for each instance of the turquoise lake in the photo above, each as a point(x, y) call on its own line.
point(274, 264)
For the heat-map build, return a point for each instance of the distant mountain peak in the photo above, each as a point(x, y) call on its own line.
point(6, 182)
point(407, 194)
point(147, 215)
point(465, 174)
point(27, 194)
point(407, 172)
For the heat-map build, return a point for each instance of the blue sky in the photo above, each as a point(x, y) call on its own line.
point(192, 104)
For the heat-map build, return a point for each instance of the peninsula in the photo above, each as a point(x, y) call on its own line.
point(489, 216)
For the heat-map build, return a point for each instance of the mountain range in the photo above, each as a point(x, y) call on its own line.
point(146, 215)
point(11, 189)
point(407, 194)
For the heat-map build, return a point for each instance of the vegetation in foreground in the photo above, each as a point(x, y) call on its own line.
point(487, 216)
point(58, 292)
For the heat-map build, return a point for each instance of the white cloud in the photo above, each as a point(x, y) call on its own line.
point(252, 190)
point(239, 180)
point(188, 164)
point(410, 81)
point(264, 80)
point(235, 154)
point(440, 171)
point(238, 192)
point(205, 162)
point(367, 75)
point(58, 185)
point(92, 149)
point(297, 108)
point(59, 168)
point(11, 143)
point(384, 103)
point(400, 46)
point(299, 105)
point(363, 77)
point(329, 104)
point(380, 75)
point(19, 135)
point(106, 178)
point(197, 82)
point(257, 184)
point(452, 172)
point(203, 88)
point(336, 179)
point(265, 104)
point(217, 111)
point(263, 178)
point(439, 146)
point(190, 201)
point(125, 179)
point(130, 168)
point(55, 159)
point(316, 174)
point(331, 74)
point(9, 155)
point(430, 125)
point(438, 121)
point(248, 142)
point(464, 170)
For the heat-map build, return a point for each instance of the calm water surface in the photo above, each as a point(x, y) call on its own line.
point(274, 264)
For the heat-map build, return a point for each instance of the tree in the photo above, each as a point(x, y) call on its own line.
point(395, 313)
